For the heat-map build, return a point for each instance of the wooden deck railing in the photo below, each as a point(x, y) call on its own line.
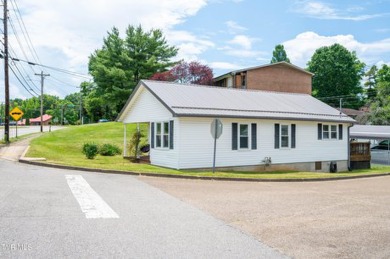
point(360, 151)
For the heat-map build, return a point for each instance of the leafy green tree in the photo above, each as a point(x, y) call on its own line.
point(279, 54)
point(337, 73)
point(380, 108)
point(118, 66)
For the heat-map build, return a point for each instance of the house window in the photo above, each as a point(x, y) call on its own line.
point(244, 136)
point(166, 135)
point(333, 132)
point(329, 131)
point(243, 80)
point(325, 131)
point(162, 135)
point(284, 136)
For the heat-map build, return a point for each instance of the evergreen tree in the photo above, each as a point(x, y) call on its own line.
point(279, 55)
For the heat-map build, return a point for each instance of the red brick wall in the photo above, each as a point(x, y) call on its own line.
point(279, 78)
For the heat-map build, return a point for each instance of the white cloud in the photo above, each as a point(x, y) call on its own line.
point(190, 46)
point(244, 41)
point(66, 32)
point(302, 47)
point(234, 27)
point(320, 10)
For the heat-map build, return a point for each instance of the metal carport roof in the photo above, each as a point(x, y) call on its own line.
point(370, 132)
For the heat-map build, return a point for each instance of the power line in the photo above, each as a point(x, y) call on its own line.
point(23, 79)
point(28, 40)
point(21, 82)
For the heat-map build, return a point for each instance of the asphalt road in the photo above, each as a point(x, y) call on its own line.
point(24, 130)
point(53, 213)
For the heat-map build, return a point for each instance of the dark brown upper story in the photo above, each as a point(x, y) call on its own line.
point(279, 77)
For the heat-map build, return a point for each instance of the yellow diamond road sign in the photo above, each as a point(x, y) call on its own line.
point(16, 113)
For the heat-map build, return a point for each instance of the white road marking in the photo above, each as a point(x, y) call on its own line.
point(90, 202)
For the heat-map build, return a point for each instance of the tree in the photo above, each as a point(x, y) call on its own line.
point(370, 84)
point(380, 108)
point(337, 74)
point(279, 54)
point(118, 66)
point(187, 73)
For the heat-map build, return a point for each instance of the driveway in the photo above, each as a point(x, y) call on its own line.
point(336, 219)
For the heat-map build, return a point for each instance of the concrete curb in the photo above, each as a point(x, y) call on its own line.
point(31, 162)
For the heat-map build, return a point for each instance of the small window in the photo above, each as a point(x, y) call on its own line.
point(333, 132)
point(162, 135)
point(325, 131)
point(158, 134)
point(329, 131)
point(284, 136)
point(244, 136)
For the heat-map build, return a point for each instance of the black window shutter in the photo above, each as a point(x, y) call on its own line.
point(254, 135)
point(234, 136)
point(171, 123)
point(293, 128)
point(152, 135)
point(340, 131)
point(277, 131)
point(319, 131)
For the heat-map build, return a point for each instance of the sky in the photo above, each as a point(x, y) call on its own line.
point(223, 34)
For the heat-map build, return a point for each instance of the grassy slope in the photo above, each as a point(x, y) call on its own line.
point(64, 147)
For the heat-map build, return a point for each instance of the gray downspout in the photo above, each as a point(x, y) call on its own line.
point(349, 147)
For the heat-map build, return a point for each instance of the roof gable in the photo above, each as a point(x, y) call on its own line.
point(282, 63)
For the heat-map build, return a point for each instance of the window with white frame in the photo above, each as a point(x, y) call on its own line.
point(162, 134)
point(329, 131)
point(333, 131)
point(244, 136)
point(325, 131)
point(284, 136)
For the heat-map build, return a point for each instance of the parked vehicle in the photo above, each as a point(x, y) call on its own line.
point(383, 145)
point(103, 120)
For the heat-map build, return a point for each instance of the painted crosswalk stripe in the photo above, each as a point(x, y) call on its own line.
point(90, 202)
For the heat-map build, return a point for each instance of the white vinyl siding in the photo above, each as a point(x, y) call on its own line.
point(196, 144)
point(146, 108)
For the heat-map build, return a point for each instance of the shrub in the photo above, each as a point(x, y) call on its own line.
point(134, 144)
point(90, 150)
point(109, 150)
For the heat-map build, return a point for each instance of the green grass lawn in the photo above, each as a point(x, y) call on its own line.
point(65, 147)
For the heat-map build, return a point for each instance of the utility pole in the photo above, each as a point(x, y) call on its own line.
point(6, 76)
point(341, 99)
point(42, 75)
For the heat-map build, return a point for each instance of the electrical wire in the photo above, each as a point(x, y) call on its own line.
point(26, 34)
point(21, 81)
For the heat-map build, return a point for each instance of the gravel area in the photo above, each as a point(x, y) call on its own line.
point(335, 219)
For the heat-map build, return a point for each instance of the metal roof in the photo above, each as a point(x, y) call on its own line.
point(370, 132)
point(210, 101)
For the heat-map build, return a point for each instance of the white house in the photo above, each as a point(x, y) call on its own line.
point(296, 131)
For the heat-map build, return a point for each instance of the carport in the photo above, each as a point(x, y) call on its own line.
point(374, 133)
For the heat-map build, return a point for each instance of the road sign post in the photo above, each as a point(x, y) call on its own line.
point(216, 132)
point(16, 114)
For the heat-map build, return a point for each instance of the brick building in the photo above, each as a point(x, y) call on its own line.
point(279, 77)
